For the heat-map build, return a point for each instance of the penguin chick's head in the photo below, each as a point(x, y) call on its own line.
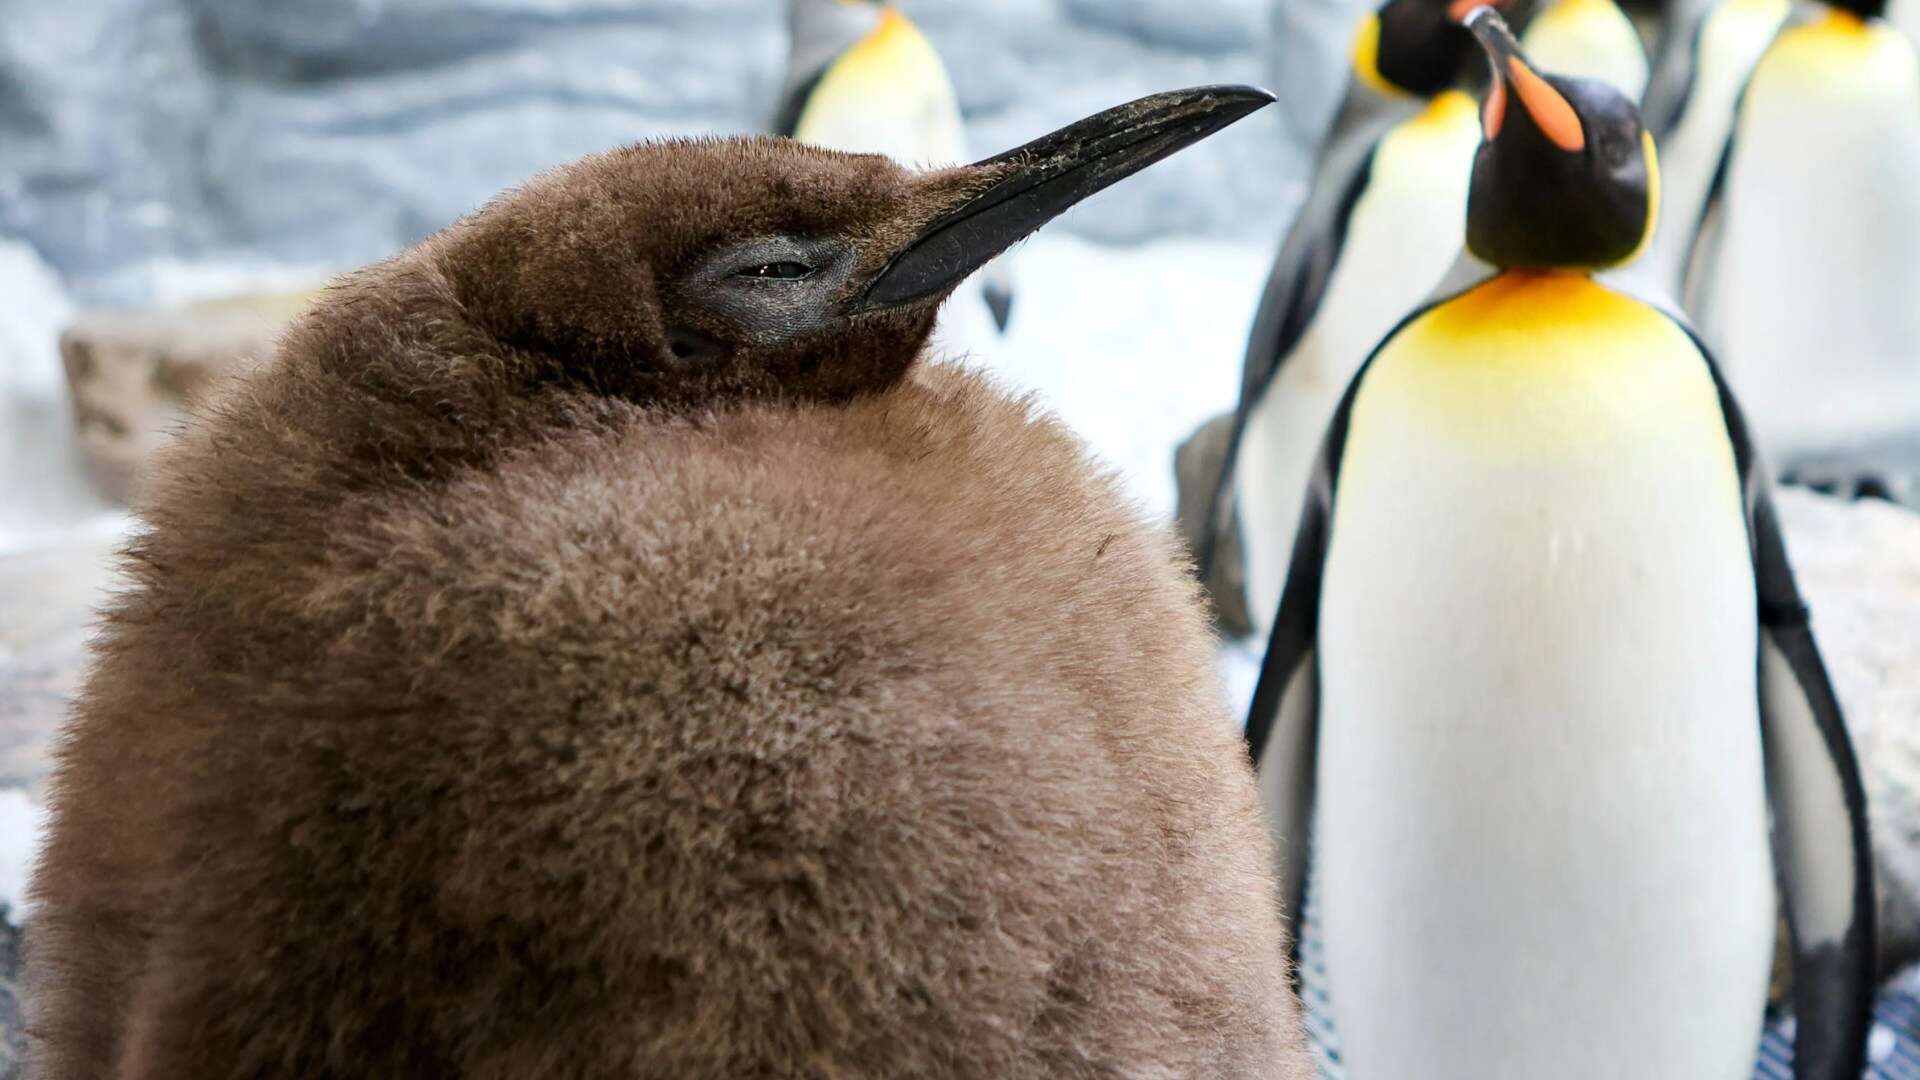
point(1565, 177)
point(1412, 47)
point(682, 272)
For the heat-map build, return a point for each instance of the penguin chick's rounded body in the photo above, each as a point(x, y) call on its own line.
point(477, 714)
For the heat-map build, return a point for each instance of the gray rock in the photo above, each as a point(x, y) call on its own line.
point(133, 373)
point(1199, 25)
point(1196, 468)
point(328, 133)
point(1308, 64)
point(102, 107)
point(1883, 468)
point(13, 1033)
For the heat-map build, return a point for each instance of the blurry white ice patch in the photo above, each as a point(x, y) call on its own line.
point(1133, 347)
point(21, 822)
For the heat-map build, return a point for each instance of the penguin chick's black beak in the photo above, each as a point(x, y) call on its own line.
point(1032, 185)
point(1549, 109)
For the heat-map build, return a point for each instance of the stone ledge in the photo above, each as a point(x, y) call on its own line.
point(131, 373)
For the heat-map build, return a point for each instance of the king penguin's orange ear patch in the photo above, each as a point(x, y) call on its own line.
point(1550, 111)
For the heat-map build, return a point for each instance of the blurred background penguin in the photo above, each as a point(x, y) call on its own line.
point(1379, 228)
point(1803, 275)
point(1587, 39)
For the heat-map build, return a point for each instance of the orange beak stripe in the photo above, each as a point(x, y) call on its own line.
point(1549, 110)
point(1460, 9)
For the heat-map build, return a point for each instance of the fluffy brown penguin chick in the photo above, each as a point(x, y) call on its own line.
point(589, 650)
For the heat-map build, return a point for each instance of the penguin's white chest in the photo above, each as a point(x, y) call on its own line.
point(1402, 235)
point(1810, 298)
point(1541, 841)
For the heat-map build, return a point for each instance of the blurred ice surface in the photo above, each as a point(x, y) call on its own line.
point(1133, 347)
point(20, 823)
point(44, 492)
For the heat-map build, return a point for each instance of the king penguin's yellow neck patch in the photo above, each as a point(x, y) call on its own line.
point(1535, 364)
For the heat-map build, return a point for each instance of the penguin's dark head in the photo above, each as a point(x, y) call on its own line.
point(1860, 9)
point(1565, 177)
point(1413, 47)
point(686, 271)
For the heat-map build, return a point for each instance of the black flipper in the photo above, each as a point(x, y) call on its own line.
point(1676, 61)
point(1820, 817)
point(1703, 250)
point(1283, 721)
point(1821, 843)
point(1298, 281)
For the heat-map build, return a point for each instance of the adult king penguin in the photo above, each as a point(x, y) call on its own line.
point(861, 77)
point(1541, 667)
point(596, 646)
point(1379, 228)
point(1804, 275)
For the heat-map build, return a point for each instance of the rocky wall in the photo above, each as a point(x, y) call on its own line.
point(138, 135)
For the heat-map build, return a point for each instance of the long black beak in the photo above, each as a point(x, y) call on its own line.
point(1495, 37)
point(1040, 180)
point(1511, 70)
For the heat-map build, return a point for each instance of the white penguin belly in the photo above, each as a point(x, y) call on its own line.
point(1403, 234)
point(1813, 303)
point(1541, 837)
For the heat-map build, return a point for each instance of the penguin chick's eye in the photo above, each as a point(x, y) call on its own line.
point(777, 271)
